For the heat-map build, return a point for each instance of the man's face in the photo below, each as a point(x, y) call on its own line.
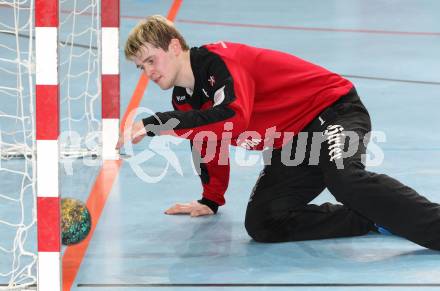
point(160, 66)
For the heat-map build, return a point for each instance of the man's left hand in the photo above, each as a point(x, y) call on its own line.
point(194, 209)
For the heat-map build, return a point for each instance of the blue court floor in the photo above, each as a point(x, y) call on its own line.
point(388, 49)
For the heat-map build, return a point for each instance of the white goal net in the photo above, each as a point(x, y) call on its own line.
point(17, 138)
point(80, 84)
point(80, 120)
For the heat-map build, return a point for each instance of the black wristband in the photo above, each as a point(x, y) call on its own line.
point(209, 203)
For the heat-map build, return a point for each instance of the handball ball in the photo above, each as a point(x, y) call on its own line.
point(75, 221)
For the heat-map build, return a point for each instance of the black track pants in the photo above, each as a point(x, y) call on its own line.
point(321, 157)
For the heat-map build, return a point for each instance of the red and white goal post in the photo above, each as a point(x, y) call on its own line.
point(39, 116)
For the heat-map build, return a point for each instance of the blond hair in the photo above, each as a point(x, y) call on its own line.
point(155, 30)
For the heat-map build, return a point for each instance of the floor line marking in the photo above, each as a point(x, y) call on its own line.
point(269, 26)
point(391, 79)
point(223, 285)
point(303, 28)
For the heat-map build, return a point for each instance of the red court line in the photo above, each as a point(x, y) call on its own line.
point(302, 28)
point(73, 255)
point(269, 26)
point(299, 28)
point(281, 27)
point(174, 9)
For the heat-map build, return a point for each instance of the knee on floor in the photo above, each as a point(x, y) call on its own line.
point(261, 235)
point(267, 230)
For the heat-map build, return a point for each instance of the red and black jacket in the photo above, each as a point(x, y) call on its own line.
point(245, 91)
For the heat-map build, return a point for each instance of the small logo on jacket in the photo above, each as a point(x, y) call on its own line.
point(211, 81)
point(181, 98)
